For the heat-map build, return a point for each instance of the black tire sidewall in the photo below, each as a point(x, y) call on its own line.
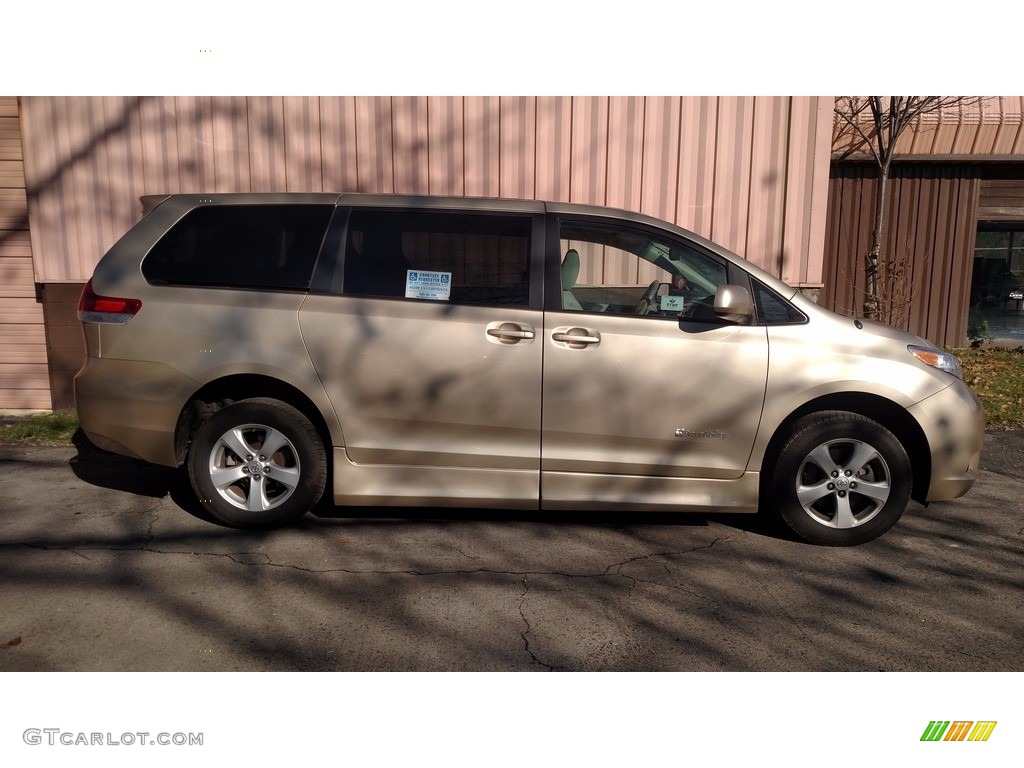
point(816, 429)
point(277, 415)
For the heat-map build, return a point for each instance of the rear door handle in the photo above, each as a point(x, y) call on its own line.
point(509, 333)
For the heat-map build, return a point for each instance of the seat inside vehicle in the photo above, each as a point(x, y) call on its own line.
point(570, 274)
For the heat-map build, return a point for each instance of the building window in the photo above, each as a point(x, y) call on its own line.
point(997, 283)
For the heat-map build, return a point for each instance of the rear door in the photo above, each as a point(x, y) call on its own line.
point(424, 326)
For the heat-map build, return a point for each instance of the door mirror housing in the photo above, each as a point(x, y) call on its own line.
point(733, 303)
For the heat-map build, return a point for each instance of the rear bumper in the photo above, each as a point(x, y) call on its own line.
point(132, 408)
point(954, 425)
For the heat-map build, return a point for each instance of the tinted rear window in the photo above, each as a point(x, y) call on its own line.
point(245, 246)
point(480, 258)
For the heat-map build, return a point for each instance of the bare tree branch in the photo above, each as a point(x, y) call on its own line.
point(879, 122)
point(851, 112)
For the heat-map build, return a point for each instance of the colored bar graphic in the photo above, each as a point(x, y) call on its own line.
point(959, 730)
point(982, 730)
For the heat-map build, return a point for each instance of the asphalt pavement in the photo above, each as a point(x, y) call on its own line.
point(107, 564)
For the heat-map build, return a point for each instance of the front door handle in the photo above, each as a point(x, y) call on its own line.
point(576, 338)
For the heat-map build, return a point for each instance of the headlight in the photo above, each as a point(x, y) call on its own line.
point(938, 359)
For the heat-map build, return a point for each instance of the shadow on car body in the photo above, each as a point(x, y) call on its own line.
point(104, 469)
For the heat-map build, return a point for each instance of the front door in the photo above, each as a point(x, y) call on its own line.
point(641, 380)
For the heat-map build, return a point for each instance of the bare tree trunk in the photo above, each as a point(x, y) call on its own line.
point(871, 301)
point(878, 122)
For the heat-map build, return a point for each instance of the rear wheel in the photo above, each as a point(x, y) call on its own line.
point(841, 479)
point(257, 463)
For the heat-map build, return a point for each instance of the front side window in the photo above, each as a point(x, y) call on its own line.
point(461, 258)
point(616, 270)
point(241, 246)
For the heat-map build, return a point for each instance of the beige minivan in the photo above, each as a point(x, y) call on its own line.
point(505, 354)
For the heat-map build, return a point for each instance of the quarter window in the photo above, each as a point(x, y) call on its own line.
point(773, 309)
point(241, 246)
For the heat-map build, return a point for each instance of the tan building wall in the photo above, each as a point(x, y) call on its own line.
point(750, 173)
point(24, 378)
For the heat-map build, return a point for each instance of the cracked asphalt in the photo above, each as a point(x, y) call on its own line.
point(110, 565)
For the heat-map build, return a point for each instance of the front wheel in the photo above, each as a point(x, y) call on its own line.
point(840, 479)
point(257, 463)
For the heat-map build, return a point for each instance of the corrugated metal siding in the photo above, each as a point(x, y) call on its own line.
point(1001, 200)
point(931, 222)
point(747, 172)
point(24, 376)
point(984, 126)
point(988, 126)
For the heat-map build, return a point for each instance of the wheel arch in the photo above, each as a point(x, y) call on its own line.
point(890, 415)
point(214, 395)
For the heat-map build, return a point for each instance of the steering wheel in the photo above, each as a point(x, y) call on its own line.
point(646, 302)
point(702, 308)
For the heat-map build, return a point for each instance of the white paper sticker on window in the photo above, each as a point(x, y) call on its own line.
point(672, 303)
point(428, 285)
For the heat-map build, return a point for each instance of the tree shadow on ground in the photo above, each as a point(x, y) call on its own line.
point(104, 469)
point(101, 468)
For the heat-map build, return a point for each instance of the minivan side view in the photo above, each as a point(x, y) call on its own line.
point(428, 351)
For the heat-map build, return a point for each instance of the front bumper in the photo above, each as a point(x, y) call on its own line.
point(954, 426)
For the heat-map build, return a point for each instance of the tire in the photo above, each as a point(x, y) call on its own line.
point(840, 480)
point(242, 485)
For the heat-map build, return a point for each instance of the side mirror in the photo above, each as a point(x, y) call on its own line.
point(733, 303)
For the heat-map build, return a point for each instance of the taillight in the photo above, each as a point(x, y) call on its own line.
point(93, 308)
